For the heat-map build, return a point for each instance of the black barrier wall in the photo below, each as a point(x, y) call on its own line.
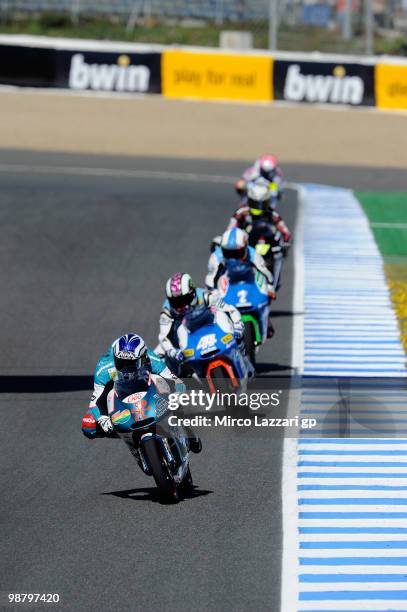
point(324, 82)
point(28, 66)
point(81, 70)
point(139, 71)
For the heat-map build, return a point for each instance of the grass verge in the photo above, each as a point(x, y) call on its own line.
point(387, 213)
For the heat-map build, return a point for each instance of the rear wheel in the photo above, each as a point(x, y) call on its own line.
point(161, 474)
point(249, 341)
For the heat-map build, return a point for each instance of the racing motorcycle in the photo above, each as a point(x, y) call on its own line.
point(211, 351)
point(269, 243)
point(246, 289)
point(139, 412)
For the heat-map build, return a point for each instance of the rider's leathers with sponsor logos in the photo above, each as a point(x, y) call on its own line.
point(104, 376)
point(170, 320)
point(217, 267)
point(243, 219)
point(253, 172)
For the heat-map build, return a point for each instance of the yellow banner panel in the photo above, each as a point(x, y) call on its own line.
point(391, 86)
point(216, 76)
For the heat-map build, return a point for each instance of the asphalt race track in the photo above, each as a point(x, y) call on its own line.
point(85, 257)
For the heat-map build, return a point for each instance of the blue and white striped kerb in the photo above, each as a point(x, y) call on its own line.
point(350, 328)
point(352, 492)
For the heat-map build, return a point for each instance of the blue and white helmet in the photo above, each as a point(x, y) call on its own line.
point(234, 244)
point(130, 356)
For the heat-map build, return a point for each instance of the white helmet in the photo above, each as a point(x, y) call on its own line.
point(181, 292)
point(234, 244)
point(258, 196)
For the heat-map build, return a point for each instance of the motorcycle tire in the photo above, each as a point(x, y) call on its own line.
point(187, 485)
point(166, 486)
point(220, 380)
point(249, 341)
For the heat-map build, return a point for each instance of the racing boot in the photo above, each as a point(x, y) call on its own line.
point(195, 444)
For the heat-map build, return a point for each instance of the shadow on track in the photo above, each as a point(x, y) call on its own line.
point(45, 384)
point(269, 368)
point(150, 494)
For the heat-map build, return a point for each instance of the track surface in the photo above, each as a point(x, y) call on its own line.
point(85, 258)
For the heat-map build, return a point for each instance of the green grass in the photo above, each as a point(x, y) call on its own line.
point(387, 208)
point(300, 38)
point(391, 208)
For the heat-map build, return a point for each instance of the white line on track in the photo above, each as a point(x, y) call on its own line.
point(116, 173)
point(289, 572)
point(389, 225)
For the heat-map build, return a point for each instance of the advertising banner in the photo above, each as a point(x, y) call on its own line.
point(106, 71)
point(214, 76)
point(80, 70)
point(324, 82)
point(391, 86)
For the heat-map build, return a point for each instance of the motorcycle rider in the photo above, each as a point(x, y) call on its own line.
point(127, 358)
point(182, 295)
point(259, 205)
point(234, 246)
point(267, 167)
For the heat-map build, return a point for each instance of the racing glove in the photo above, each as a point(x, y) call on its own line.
point(105, 423)
point(240, 187)
point(271, 292)
point(238, 330)
point(176, 354)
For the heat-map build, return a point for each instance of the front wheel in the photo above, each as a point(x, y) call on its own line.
point(220, 379)
point(161, 473)
point(187, 485)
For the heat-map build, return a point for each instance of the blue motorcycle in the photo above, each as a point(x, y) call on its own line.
point(210, 350)
point(246, 289)
point(138, 411)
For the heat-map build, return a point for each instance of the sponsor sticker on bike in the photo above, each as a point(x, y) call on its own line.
point(206, 343)
point(121, 417)
point(140, 409)
point(134, 397)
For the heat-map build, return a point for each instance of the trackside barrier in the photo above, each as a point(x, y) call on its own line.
point(214, 76)
point(202, 73)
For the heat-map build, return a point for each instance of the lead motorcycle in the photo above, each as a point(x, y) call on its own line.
point(138, 411)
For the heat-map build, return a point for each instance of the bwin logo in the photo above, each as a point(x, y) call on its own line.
point(108, 77)
point(337, 89)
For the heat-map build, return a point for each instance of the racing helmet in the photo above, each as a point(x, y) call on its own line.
point(130, 356)
point(234, 244)
point(258, 196)
point(268, 167)
point(181, 293)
